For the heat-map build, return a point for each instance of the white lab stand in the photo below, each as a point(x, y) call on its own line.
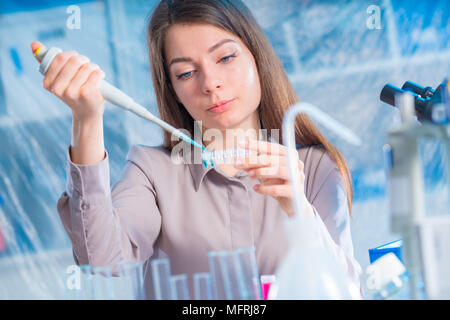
point(426, 239)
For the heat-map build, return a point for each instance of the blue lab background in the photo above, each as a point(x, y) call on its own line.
point(331, 56)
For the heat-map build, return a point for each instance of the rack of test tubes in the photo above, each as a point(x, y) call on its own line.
point(233, 275)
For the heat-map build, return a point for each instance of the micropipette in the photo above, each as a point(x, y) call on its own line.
point(117, 97)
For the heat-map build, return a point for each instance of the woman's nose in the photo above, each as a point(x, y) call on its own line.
point(211, 82)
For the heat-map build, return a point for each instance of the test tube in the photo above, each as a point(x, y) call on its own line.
point(161, 278)
point(266, 281)
point(130, 281)
point(103, 283)
point(86, 280)
point(180, 287)
point(202, 286)
point(224, 275)
point(249, 282)
point(226, 156)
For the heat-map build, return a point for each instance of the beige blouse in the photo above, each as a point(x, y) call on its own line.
point(184, 210)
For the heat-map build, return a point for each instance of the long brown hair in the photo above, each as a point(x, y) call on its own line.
point(277, 93)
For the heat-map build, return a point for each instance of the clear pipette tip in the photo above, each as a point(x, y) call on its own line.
point(227, 156)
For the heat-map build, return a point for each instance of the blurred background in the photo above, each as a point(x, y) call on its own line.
point(337, 54)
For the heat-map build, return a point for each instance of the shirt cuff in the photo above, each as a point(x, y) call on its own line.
point(91, 183)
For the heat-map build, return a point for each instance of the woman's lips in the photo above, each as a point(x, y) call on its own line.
point(221, 108)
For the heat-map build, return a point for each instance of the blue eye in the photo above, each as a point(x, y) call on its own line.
point(227, 57)
point(184, 77)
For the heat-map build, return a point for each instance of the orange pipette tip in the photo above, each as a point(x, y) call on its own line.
point(36, 46)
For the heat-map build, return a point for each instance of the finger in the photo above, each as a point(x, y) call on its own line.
point(259, 161)
point(91, 85)
point(266, 161)
point(67, 73)
point(56, 66)
point(264, 147)
point(80, 78)
point(273, 181)
point(281, 174)
point(277, 172)
point(274, 190)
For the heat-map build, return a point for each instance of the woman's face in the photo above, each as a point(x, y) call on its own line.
point(208, 65)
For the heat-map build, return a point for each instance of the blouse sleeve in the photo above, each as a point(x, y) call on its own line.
point(107, 225)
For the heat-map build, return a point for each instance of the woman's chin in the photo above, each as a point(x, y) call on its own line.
point(225, 122)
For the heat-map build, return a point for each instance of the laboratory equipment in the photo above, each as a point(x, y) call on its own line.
point(386, 276)
point(425, 238)
point(395, 247)
point(202, 286)
point(87, 284)
point(161, 278)
point(102, 283)
point(224, 275)
point(129, 284)
point(434, 239)
point(235, 274)
point(180, 287)
point(430, 105)
point(226, 156)
point(309, 270)
point(250, 285)
point(266, 281)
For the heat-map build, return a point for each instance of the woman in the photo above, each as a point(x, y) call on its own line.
point(202, 53)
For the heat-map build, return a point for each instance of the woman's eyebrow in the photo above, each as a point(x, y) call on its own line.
point(214, 47)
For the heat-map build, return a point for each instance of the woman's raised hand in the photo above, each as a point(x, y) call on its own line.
point(271, 168)
point(75, 80)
